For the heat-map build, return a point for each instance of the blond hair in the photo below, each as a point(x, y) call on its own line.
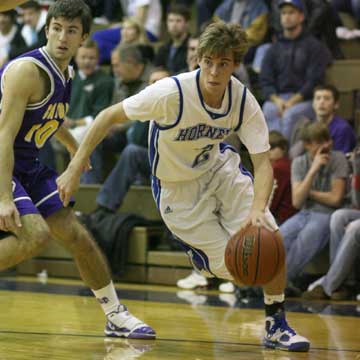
point(133, 22)
point(315, 132)
point(219, 38)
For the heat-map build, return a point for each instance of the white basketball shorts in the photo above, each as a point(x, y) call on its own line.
point(204, 213)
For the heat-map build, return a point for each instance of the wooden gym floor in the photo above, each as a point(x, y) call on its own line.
point(60, 319)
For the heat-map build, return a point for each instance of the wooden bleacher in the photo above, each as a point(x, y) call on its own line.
point(350, 48)
point(144, 264)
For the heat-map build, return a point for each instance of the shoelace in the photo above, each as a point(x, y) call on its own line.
point(284, 326)
point(120, 309)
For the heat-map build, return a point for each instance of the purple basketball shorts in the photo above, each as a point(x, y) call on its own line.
point(35, 191)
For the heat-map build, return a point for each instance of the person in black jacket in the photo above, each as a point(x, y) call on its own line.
point(292, 67)
point(321, 21)
point(33, 30)
point(172, 55)
point(10, 35)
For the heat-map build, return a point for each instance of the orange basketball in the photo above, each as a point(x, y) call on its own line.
point(254, 255)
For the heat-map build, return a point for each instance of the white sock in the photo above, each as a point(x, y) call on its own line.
point(107, 298)
point(271, 299)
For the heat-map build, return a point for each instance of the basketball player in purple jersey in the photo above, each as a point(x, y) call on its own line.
point(35, 91)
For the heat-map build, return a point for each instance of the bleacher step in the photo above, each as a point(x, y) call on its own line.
point(168, 258)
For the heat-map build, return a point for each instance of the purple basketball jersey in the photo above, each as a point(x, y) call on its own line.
point(40, 123)
point(41, 120)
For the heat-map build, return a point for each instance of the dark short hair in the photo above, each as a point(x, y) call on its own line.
point(32, 4)
point(130, 53)
point(277, 139)
point(181, 10)
point(335, 92)
point(315, 132)
point(71, 9)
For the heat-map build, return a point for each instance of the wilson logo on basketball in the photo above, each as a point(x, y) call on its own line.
point(254, 255)
point(247, 251)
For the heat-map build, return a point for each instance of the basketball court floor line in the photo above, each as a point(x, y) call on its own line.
point(325, 308)
point(212, 342)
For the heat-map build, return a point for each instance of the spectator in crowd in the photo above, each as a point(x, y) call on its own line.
point(350, 29)
point(146, 12)
point(133, 163)
point(205, 11)
point(280, 203)
point(131, 75)
point(191, 54)
point(349, 6)
point(318, 181)
point(107, 12)
point(251, 15)
point(320, 20)
point(91, 92)
point(172, 55)
point(294, 64)
point(10, 35)
point(33, 30)
point(325, 105)
point(344, 246)
point(132, 32)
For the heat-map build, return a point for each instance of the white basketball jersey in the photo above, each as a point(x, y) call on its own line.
point(189, 147)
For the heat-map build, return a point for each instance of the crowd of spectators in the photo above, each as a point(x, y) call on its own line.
point(292, 42)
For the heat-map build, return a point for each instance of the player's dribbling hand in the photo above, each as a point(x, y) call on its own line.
point(68, 183)
point(9, 216)
point(258, 218)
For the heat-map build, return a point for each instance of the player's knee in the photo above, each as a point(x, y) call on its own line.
point(81, 242)
point(37, 242)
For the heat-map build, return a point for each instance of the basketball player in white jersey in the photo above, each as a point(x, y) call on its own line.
point(200, 187)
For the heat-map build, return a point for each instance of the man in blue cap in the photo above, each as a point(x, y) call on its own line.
point(292, 67)
point(295, 3)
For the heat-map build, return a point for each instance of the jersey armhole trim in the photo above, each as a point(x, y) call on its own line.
point(41, 103)
point(181, 103)
point(242, 108)
point(53, 64)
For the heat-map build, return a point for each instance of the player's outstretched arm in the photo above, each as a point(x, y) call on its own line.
point(70, 143)
point(10, 4)
point(14, 101)
point(69, 181)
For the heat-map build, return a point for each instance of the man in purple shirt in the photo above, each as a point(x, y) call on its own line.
point(325, 104)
